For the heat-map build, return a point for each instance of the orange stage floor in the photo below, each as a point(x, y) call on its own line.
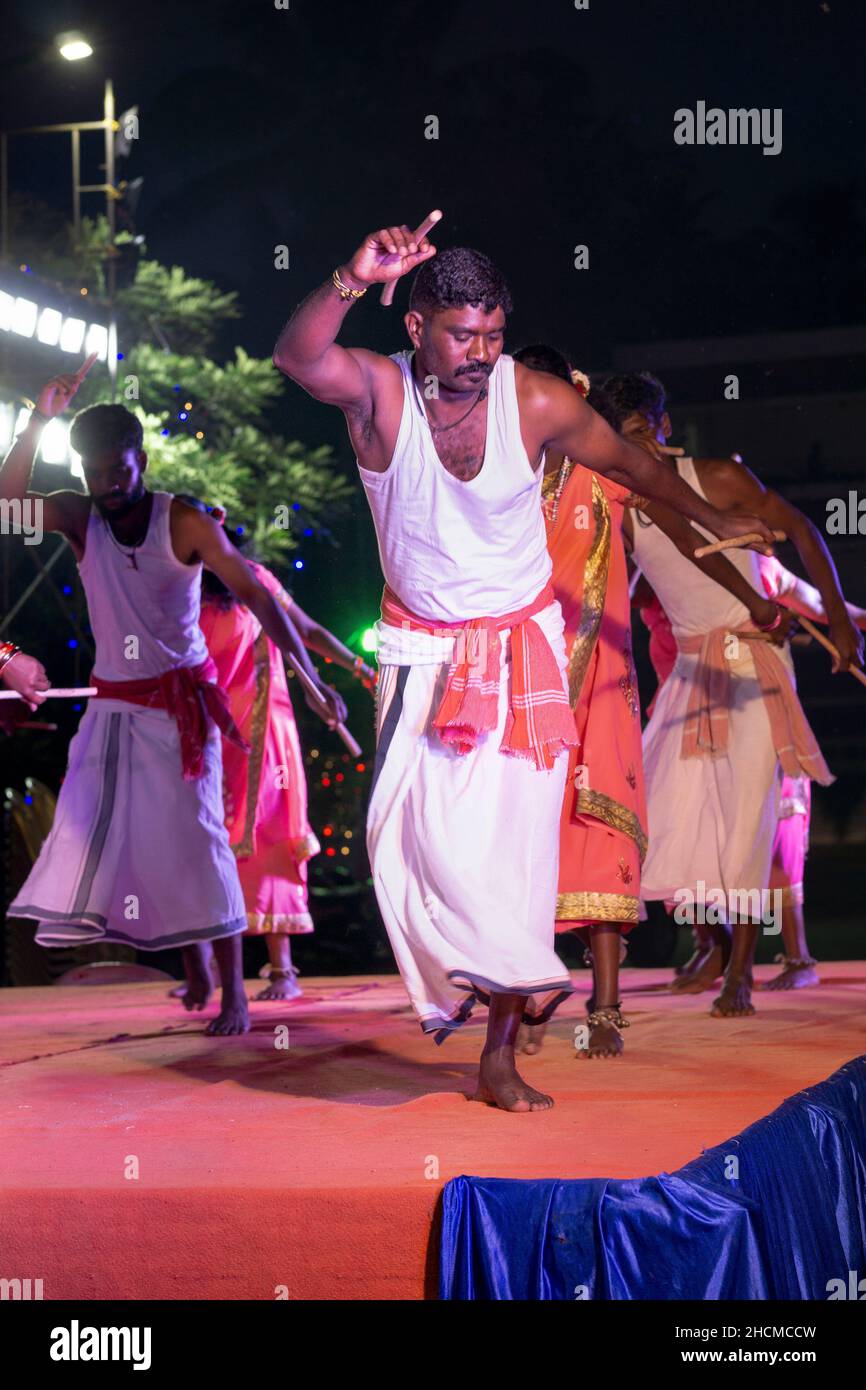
point(314, 1171)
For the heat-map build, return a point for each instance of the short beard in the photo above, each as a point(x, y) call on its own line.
point(117, 512)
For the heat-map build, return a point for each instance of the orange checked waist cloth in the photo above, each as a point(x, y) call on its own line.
point(539, 724)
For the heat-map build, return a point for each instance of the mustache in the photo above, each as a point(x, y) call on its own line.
point(474, 369)
point(124, 502)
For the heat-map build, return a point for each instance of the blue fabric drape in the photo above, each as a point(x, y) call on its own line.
point(774, 1213)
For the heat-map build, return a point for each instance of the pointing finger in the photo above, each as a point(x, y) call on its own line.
point(85, 366)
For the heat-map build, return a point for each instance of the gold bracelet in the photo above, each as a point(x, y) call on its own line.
point(346, 291)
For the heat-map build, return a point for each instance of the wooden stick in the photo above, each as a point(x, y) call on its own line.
point(735, 543)
point(341, 729)
point(825, 642)
point(387, 296)
point(54, 693)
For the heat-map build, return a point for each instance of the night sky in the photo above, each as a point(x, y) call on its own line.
point(305, 126)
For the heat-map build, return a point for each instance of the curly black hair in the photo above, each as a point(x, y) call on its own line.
point(639, 392)
point(101, 427)
point(540, 357)
point(604, 405)
point(459, 276)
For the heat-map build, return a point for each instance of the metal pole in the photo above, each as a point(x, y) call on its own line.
point(4, 195)
point(76, 188)
point(111, 269)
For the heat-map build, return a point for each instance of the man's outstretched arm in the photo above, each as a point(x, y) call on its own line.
point(574, 428)
point(307, 350)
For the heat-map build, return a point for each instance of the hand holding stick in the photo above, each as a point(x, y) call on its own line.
point(825, 642)
point(353, 747)
point(735, 543)
point(387, 296)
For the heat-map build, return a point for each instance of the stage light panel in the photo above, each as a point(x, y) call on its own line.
point(97, 341)
point(24, 315)
point(72, 335)
point(48, 327)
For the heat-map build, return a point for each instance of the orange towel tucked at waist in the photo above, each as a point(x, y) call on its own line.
point(191, 696)
point(539, 724)
point(705, 732)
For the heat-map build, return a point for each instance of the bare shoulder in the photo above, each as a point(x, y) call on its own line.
point(547, 405)
point(729, 476)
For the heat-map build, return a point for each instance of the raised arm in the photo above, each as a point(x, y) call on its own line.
point(64, 511)
point(307, 350)
point(566, 423)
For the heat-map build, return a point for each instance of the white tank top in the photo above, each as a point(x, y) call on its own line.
point(452, 550)
point(158, 603)
point(693, 602)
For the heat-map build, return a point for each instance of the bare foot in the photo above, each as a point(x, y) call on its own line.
point(703, 976)
point(283, 986)
point(798, 973)
point(196, 993)
point(735, 1000)
point(695, 960)
point(530, 1038)
point(605, 1038)
point(500, 1084)
point(233, 1017)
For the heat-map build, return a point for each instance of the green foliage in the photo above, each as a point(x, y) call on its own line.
point(180, 311)
point(168, 322)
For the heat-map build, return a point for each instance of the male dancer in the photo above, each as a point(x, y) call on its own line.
point(792, 829)
point(138, 851)
point(728, 723)
point(469, 779)
point(602, 834)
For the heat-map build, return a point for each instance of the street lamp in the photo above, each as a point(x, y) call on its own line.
point(73, 46)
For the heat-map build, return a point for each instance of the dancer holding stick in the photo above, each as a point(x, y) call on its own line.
point(473, 710)
point(138, 851)
point(727, 725)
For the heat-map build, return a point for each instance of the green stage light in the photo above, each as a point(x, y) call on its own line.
point(369, 640)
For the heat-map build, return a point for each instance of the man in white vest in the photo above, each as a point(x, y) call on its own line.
point(473, 715)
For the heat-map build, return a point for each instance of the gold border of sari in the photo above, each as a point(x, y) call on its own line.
point(262, 665)
point(596, 907)
point(612, 813)
point(594, 592)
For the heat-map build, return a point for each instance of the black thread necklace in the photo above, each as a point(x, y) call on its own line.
point(129, 554)
point(440, 429)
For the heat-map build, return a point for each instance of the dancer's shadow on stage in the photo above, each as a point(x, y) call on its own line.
point(321, 1063)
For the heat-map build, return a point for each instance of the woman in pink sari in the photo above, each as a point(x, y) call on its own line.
point(265, 792)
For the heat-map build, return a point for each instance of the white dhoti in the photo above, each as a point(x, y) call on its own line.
point(135, 854)
point(711, 820)
point(464, 848)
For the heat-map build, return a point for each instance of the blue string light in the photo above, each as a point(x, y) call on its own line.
point(299, 564)
point(72, 643)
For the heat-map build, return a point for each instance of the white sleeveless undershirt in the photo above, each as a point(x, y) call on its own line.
point(157, 604)
point(454, 550)
point(693, 602)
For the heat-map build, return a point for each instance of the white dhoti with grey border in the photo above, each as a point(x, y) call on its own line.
point(464, 848)
point(135, 854)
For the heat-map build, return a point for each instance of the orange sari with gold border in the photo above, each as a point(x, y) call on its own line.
point(603, 837)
